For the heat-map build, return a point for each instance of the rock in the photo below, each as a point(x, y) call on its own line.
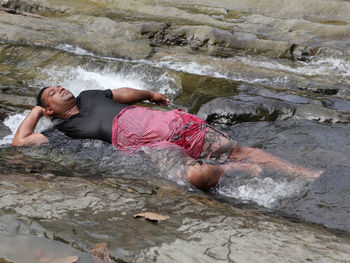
point(275, 27)
point(14, 11)
point(119, 39)
point(318, 88)
point(70, 259)
point(232, 110)
point(229, 111)
point(315, 10)
point(35, 6)
point(300, 53)
point(318, 113)
point(197, 90)
point(152, 28)
point(223, 43)
point(104, 214)
point(17, 101)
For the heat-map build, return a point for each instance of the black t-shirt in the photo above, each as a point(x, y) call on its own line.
point(95, 118)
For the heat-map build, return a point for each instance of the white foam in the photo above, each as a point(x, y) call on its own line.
point(219, 68)
point(263, 191)
point(323, 66)
point(186, 66)
point(75, 50)
point(213, 71)
point(77, 79)
point(328, 64)
point(332, 64)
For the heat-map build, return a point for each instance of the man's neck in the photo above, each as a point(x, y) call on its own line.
point(72, 111)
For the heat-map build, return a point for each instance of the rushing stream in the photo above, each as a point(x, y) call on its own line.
point(298, 110)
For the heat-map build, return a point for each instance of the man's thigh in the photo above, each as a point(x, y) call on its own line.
point(217, 146)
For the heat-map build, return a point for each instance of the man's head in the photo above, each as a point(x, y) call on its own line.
point(56, 101)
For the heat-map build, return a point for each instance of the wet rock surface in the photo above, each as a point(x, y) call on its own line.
point(45, 32)
point(273, 74)
point(83, 211)
point(214, 31)
point(233, 110)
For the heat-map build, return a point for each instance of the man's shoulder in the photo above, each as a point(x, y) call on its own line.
point(95, 92)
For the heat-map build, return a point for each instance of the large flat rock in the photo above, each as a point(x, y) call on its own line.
point(84, 211)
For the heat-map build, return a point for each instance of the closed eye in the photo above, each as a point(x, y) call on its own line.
point(51, 93)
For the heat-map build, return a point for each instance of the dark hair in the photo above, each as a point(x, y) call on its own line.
point(39, 99)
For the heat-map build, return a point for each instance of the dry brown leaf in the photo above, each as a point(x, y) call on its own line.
point(151, 216)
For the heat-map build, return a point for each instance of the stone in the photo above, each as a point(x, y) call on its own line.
point(28, 30)
point(229, 111)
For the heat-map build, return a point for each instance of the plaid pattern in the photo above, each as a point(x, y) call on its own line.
point(135, 127)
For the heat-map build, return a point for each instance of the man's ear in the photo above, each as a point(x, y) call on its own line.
point(48, 112)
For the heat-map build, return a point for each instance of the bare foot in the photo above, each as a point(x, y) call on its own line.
point(308, 173)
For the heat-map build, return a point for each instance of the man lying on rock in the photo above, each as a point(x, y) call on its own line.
point(107, 115)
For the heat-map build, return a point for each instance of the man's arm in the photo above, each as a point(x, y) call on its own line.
point(130, 96)
point(25, 135)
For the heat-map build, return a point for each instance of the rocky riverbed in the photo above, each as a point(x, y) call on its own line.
point(273, 74)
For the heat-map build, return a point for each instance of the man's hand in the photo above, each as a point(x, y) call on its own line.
point(39, 110)
point(159, 99)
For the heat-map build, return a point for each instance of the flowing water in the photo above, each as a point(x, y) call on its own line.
point(312, 144)
point(317, 138)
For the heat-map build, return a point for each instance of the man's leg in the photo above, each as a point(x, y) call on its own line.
point(206, 176)
point(216, 148)
point(219, 147)
point(256, 156)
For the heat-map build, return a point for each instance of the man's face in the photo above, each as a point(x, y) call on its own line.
point(58, 99)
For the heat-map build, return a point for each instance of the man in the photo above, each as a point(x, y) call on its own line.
point(107, 115)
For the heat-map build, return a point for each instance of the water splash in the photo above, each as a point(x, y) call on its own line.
point(218, 68)
point(77, 79)
point(75, 50)
point(264, 191)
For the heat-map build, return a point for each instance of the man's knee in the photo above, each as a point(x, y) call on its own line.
point(204, 176)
